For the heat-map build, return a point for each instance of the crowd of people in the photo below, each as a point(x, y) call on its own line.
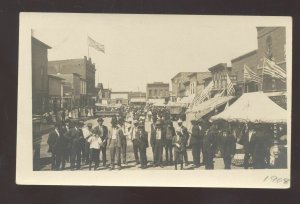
point(79, 144)
point(63, 114)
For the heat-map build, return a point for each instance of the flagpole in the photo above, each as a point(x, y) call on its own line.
point(244, 79)
point(88, 46)
point(262, 75)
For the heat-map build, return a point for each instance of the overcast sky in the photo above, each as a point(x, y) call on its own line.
point(140, 49)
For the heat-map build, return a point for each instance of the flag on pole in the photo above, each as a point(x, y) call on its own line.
point(204, 94)
point(272, 69)
point(230, 88)
point(97, 46)
point(251, 75)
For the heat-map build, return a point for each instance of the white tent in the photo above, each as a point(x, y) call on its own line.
point(253, 107)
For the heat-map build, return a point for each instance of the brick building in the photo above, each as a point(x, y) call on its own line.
point(271, 43)
point(219, 77)
point(158, 90)
point(39, 60)
point(188, 83)
point(249, 59)
point(84, 67)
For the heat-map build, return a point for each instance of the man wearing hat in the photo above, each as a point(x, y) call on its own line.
point(134, 138)
point(196, 141)
point(152, 134)
point(185, 134)
point(143, 144)
point(170, 133)
point(87, 131)
point(102, 131)
point(56, 146)
point(82, 140)
point(179, 144)
point(115, 135)
point(159, 143)
point(209, 145)
point(74, 138)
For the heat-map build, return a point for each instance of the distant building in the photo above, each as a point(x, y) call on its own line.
point(157, 90)
point(55, 84)
point(84, 67)
point(180, 85)
point(188, 83)
point(67, 95)
point(219, 77)
point(119, 98)
point(75, 82)
point(39, 60)
point(138, 98)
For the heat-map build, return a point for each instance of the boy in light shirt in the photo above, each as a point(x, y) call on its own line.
point(95, 144)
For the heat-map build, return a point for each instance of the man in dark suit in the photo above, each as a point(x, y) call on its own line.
point(67, 150)
point(143, 144)
point(260, 147)
point(159, 139)
point(170, 133)
point(209, 144)
point(52, 142)
point(102, 131)
point(185, 134)
point(74, 136)
point(196, 142)
point(152, 134)
point(248, 142)
point(228, 147)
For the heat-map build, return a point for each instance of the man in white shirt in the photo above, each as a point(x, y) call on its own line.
point(115, 142)
point(87, 131)
point(134, 138)
point(95, 144)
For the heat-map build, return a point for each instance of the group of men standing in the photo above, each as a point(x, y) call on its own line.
point(72, 142)
point(78, 144)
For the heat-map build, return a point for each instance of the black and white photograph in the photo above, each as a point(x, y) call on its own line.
point(154, 100)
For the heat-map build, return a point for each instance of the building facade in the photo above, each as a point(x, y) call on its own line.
point(197, 82)
point(250, 60)
point(158, 90)
point(188, 83)
point(219, 77)
point(271, 43)
point(39, 60)
point(74, 81)
point(180, 84)
point(84, 67)
point(119, 98)
point(55, 92)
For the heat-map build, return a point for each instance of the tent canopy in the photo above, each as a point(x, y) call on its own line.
point(253, 107)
